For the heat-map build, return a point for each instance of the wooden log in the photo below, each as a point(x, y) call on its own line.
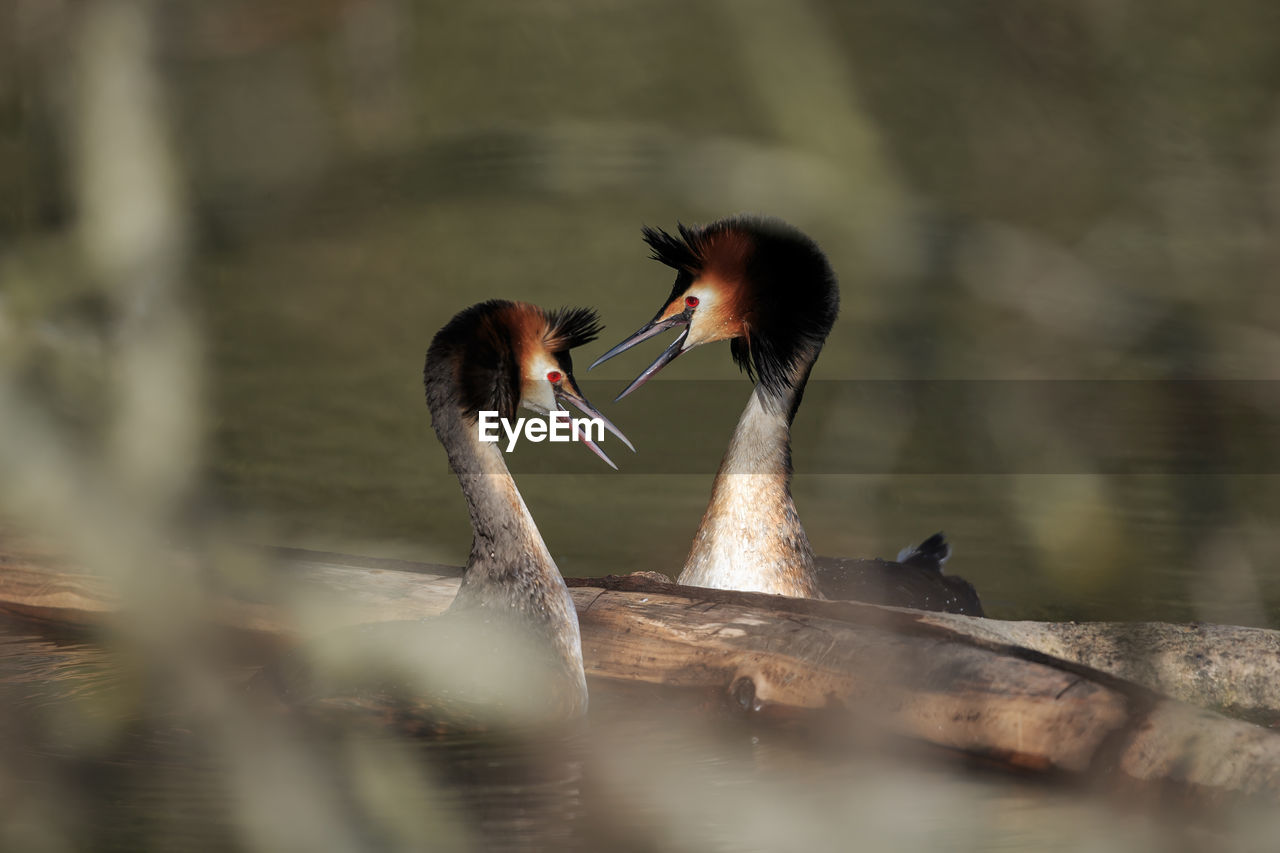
point(1218, 667)
point(1222, 667)
point(941, 681)
point(1214, 666)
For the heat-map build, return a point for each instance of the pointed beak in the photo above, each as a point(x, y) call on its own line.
point(649, 330)
point(568, 392)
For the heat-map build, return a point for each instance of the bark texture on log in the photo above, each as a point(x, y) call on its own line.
point(1215, 666)
point(982, 687)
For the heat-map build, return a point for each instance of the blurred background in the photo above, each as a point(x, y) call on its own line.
point(229, 230)
point(1074, 191)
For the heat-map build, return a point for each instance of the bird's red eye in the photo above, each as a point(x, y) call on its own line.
point(553, 376)
point(691, 301)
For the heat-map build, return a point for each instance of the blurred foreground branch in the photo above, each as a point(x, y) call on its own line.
point(949, 681)
point(115, 495)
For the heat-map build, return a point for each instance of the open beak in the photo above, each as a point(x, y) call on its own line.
point(649, 330)
point(567, 392)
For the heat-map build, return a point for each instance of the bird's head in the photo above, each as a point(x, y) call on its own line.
point(507, 355)
point(758, 283)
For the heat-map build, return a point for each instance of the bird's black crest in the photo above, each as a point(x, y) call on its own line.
point(483, 346)
point(568, 328)
point(485, 342)
point(789, 288)
point(680, 253)
point(796, 299)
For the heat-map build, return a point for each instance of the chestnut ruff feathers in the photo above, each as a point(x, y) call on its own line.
point(492, 337)
point(777, 271)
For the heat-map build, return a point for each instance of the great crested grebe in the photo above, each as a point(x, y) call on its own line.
point(769, 290)
point(499, 356)
point(507, 650)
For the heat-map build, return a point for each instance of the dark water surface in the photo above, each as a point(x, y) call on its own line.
point(1084, 498)
point(1079, 473)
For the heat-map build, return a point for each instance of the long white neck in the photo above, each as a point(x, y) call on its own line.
point(510, 573)
point(751, 537)
point(505, 538)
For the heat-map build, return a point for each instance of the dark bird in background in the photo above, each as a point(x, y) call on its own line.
point(768, 289)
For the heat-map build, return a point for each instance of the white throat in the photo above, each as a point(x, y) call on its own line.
point(751, 537)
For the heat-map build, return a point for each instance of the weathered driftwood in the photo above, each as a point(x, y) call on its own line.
point(953, 682)
point(1223, 667)
point(1214, 666)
